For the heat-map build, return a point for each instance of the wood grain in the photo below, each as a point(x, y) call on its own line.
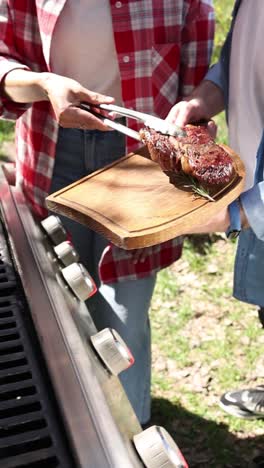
point(132, 203)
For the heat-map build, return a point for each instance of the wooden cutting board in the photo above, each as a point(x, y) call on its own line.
point(132, 203)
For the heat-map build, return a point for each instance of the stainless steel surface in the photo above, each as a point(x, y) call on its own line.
point(98, 417)
point(54, 229)
point(112, 350)
point(160, 125)
point(66, 253)
point(157, 449)
point(122, 129)
point(151, 121)
point(79, 280)
point(112, 124)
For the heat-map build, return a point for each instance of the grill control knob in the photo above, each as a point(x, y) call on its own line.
point(79, 280)
point(112, 350)
point(54, 229)
point(156, 448)
point(66, 253)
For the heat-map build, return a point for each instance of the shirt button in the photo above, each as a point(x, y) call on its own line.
point(118, 4)
point(126, 59)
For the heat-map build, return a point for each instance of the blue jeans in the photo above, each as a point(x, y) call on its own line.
point(123, 306)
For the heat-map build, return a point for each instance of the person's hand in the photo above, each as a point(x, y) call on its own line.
point(191, 111)
point(201, 105)
point(218, 223)
point(187, 111)
point(66, 95)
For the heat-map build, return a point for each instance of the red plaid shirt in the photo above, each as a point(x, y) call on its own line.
point(163, 51)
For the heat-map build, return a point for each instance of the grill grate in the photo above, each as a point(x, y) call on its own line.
point(31, 431)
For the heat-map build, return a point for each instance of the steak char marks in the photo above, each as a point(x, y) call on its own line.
point(195, 154)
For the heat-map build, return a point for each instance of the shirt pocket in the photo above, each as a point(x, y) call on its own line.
point(165, 61)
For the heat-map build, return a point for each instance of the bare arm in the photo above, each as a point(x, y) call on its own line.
point(25, 86)
point(64, 94)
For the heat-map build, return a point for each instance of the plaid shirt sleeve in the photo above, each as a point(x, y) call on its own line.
point(197, 45)
point(116, 264)
point(9, 60)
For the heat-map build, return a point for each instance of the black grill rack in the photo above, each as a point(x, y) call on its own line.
point(31, 431)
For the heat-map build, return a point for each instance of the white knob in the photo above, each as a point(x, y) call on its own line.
point(79, 280)
point(157, 448)
point(112, 350)
point(66, 253)
point(54, 229)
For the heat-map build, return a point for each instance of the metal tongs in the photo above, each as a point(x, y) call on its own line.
point(161, 126)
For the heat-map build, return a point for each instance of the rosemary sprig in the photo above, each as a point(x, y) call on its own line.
point(200, 190)
point(188, 182)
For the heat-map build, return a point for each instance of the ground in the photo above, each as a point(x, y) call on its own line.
point(204, 343)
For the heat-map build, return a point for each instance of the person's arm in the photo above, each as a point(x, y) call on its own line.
point(11, 56)
point(64, 94)
point(20, 86)
point(24, 86)
point(219, 223)
point(251, 214)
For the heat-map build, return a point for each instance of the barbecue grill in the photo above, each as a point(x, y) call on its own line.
point(61, 402)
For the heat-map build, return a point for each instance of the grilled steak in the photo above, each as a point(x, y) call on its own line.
point(195, 154)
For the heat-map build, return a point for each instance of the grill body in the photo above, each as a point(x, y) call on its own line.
point(59, 405)
point(31, 433)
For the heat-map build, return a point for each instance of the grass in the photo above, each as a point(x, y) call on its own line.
point(204, 343)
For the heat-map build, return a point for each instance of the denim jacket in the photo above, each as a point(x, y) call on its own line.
point(249, 263)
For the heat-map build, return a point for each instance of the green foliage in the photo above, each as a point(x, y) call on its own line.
point(6, 130)
point(223, 11)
